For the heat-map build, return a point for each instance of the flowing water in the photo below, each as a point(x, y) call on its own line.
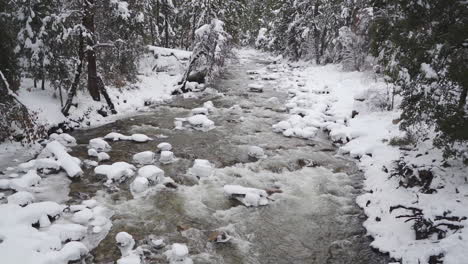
point(314, 220)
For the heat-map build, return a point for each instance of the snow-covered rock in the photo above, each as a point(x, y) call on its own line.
point(117, 172)
point(167, 157)
point(102, 156)
point(21, 198)
point(99, 145)
point(139, 185)
point(201, 168)
point(200, 111)
point(200, 122)
point(145, 157)
point(64, 139)
point(151, 172)
point(247, 196)
point(140, 138)
point(68, 163)
point(164, 146)
point(256, 152)
point(178, 254)
point(256, 88)
point(92, 152)
point(24, 182)
point(68, 232)
point(209, 105)
point(83, 216)
point(125, 243)
point(114, 136)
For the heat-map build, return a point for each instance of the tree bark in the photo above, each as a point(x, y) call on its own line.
point(76, 81)
point(102, 89)
point(88, 22)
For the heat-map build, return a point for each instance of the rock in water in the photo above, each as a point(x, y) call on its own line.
point(167, 157)
point(144, 158)
point(164, 146)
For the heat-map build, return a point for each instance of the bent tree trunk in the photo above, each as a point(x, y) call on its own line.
point(76, 80)
point(102, 89)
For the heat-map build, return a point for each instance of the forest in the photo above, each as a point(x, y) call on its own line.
point(385, 80)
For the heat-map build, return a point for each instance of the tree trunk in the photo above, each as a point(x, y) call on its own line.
point(462, 101)
point(166, 25)
point(102, 89)
point(76, 81)
point(316, 35)
point(88, 22)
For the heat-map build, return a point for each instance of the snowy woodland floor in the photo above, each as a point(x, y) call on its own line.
point(239, 145)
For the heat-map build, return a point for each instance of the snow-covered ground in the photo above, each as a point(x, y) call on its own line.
point(415, 224)
point(160, 70)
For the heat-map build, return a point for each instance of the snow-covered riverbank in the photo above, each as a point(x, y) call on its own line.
point(416, 201)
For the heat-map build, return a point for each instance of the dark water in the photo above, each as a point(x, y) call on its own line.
point(314, 220)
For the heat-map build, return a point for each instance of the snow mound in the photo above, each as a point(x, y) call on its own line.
point(256, 152)
point(102, 156)
point(140, 138)
point(164, 146)
point(248, 196)
point(201, 168)
point(144, 158)
point(83, 216)
point(21, 198)
point(99, 145)
point(167, 157)
point(64, 139)
point(70, 164)
point(139, 185)
point(125, 243)
point(24, 182)
point(200, 122)
point(117, 172)
point(114, 136)
point(151, 172)
point(200, 111)
point(178, 254)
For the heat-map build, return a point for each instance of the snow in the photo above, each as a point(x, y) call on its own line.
point(21, 198)
point(92, 152)
point(164, 146)
point(200, 122)
point(70, 164)
point(167, 157)
point(21, 243)
point(178, 254)
point(117, 172)
point(103, 156)
point(351, 108)
point(201, 168)
point(125, 242)
point(428, 71)
point(144, 158)
point(139, 185)
point(248, 196)
point(151, 172)
point(256, 152)
point(24, 182)
point(140, 138)
point(99, 144)
point(200, 111)
point(64, 139)
point(83, 216)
